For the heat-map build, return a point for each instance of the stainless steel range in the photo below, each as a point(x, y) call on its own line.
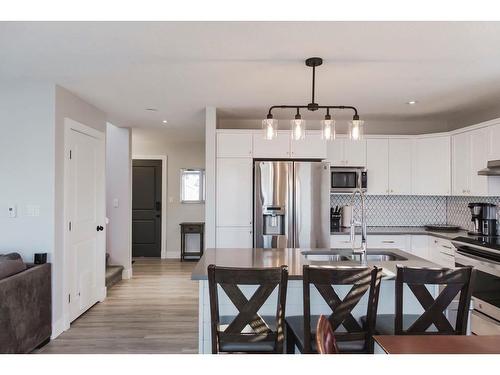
point(483, 253)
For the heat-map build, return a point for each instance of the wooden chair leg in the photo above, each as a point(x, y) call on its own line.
point(290, 340)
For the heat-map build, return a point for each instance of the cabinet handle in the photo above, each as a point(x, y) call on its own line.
point(387, 241)
point(448, 255)
point(447, 247)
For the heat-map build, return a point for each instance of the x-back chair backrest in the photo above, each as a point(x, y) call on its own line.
point(267, 279)
point(362, 280)
point(456, 281)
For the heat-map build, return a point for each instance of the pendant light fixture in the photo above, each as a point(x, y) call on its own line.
point(328, 131)
point(270, 128)
point(298, 125)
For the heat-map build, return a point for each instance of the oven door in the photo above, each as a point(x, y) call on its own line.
point(486, 286)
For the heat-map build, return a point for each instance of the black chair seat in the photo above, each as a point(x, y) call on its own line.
point(296, 325)
point(248, 340)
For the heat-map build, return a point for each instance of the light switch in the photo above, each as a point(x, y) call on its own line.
point(32, 210)
point(116, 203)
point(12, 211)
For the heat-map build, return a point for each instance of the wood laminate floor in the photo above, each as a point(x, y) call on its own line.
point(154, 312)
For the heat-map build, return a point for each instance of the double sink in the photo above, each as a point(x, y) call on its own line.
point(335, 255)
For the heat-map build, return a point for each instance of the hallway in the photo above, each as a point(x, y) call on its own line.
point(154, 312)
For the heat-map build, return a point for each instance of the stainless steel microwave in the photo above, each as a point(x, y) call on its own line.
point(348, 179)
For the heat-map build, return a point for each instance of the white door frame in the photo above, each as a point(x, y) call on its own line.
point(72, 125)
point(163, 159)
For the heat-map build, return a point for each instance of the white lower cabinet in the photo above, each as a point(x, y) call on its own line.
point(234, 237)
point(419, 246)
point(442, 252)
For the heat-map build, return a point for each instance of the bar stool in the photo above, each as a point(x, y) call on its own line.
point(247, 332)
point(433, 321)
point(350, 336)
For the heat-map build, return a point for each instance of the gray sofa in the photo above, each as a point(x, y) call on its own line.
point(25, 305)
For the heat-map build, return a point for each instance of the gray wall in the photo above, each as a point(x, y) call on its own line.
point(27, 168)
point(179, 155)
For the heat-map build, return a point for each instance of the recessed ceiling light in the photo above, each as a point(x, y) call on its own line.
point(412, 102)
point(151, 109)
point(165, 121)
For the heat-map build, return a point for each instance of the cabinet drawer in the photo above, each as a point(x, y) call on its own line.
point(387, 242)
point(192, 229)
point(443, 246)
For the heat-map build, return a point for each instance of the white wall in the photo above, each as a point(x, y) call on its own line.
point(27, 168)
point(67, 105)
point(119, 190)
point(188, 154)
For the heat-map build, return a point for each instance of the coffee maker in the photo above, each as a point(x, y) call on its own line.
point(484, 217)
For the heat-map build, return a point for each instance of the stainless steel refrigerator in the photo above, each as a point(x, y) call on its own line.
point(291, 204)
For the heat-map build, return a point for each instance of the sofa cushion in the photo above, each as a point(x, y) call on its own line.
point(10, 264)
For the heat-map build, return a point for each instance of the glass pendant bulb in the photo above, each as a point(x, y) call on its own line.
point(356, 129)
point(298, 127)
point(270, 128)
point(328, 131)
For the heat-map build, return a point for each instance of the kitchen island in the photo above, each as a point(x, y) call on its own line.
point(295, 259)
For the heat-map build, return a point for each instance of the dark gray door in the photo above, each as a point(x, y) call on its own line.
point(146, 208)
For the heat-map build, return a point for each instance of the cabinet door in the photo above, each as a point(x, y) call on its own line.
point(231, 237)
point(278, 147)
point(355, 153)
point(335, 152)
point(478, 160)
point(400, 166)
point(312, 146)
point(377, 164)
point(234, 145)
point(420, 246)
point(234, 192)
point(493, 137)
point(432, 173)
point(461, 163)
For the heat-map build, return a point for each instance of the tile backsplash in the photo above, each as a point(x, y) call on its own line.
point(414, 210)
point(457, 212)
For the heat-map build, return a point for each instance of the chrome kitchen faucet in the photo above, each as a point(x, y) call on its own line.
point(362, 249)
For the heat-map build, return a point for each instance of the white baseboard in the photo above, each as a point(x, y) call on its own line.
point(58, 328)
point(127, 273)
point(175, 255)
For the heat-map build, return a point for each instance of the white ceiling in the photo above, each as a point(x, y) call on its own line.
point(451, 68)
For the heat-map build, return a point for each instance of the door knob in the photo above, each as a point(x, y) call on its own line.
point(100, 228)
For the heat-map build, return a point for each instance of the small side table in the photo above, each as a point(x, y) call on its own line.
point(192, 228)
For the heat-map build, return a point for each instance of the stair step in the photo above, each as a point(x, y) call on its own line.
point(113, 275)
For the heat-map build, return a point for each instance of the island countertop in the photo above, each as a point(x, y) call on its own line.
point(295, 260)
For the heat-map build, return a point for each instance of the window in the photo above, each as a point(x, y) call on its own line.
point(192, 185)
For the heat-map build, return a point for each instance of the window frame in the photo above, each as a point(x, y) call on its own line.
point(201, 196)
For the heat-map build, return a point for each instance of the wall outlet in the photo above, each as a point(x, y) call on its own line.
point(116, 203)
point(12, 211)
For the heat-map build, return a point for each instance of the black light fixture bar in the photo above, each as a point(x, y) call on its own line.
point(314, 62)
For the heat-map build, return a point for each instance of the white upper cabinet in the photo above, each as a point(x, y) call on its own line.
point(461, 164)
point(335, 152)
point(377, 164)
point(478, 160)
point(311, 147)
point(431, 166)
point(493, 135)
point(278, 147)
point(355, 153)
point(234, 192)
point(400, 166)
point(234, 145)
point(343, 152)
point(470, 154)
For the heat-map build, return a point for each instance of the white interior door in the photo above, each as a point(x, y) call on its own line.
point(85, 215)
